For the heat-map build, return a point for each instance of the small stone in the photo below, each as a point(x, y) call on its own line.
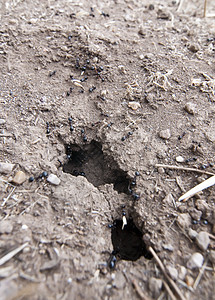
point(103, 93)
point(165, 134)
point(134, 105)
point(53, 179)
point(161, 170)
point(212, 256)
point(121, 68)
point(192, 233)
point(6, 167)
point(142, 31)
point(203, 240)
point(184, 220)
point(5, 226)
point(19, 178)
point(193, 47)
point(195, 261)
point(155, 286)
point(182, 272)
point(201, 205)
point(168, 247)
point(141, 56)
point(195, 213)
point(2, 121)
point(173, 272)
point(180, 159)
point(190, 108)
point(164, 15)
point(189, 280)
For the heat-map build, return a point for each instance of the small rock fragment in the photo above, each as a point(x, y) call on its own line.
point(193, 47)
point(155, 286)
point(6, 167)
point(192, 233)
point(121, 68)
point(6, 226)
point(182, 272)
point(184, 220)
point(53, 179)
point(103, 93)
point(165, 134)
point(162, 14)
point(173, 272)
point(190, 108)
point(19, 178)
point(203, 240)
point(179, 159)
point(168, 247)
point(134, 105)
point(2, 121)
point(189, 280)
point(195, 261)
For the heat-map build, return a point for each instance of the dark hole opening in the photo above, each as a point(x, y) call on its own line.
point(89, 161)
point(128, 243)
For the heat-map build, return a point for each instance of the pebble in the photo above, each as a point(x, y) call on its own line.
point(182, 272)
point(6, 226)
point(195, 261)
point(173, 272)
point(192, 233)
point(193, 47)
point(203, 240)
point(121, 68)
point(180, 159)
point(190, 108)
point(168, 247)
point(134, 105)
point(103, 93)
point(184, 220)
point(19, 178)
point(53, 179)
point(165, 134)
point(6, 167)
point(155, 286)
point(2, 121)
point(189, 280)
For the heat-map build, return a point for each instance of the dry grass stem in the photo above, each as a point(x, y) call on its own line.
point(198, 188)
point(171, 282)
point(139, 291)
point(169, 291)
point(11, 254)
point(184, 169)
point(201, 272)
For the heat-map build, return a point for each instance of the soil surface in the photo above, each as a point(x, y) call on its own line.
point(98, 93)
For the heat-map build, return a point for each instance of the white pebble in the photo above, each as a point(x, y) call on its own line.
point(173, 272)
point(180, 159)
point(203, 240)
point(196, 261)
point(53, 179)
point(6, 167)
point(165, 134)
point(192, 233)
point(2, 121)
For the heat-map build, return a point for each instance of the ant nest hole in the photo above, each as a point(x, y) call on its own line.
point(88, 160)
point(128, 241)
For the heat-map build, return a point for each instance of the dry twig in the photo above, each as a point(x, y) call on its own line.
point(11, 254)
point(171, 282)
point(139, 291)
point(183, 169)
point(201, 272)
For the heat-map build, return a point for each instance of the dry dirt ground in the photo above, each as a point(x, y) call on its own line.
point(92, 92)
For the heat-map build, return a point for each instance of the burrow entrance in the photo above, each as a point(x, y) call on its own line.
point(128, 242)
point(89, 161)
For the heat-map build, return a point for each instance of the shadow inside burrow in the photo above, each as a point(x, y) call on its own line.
point(89, 160)
point(128, 242)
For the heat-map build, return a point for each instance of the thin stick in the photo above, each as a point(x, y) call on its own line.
point(11, 254)
point(169, 290)
point(205, 8)
point(201, 272)
point(139, 291)
point(184, 169)
point(8, 197)
point(172, 283)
